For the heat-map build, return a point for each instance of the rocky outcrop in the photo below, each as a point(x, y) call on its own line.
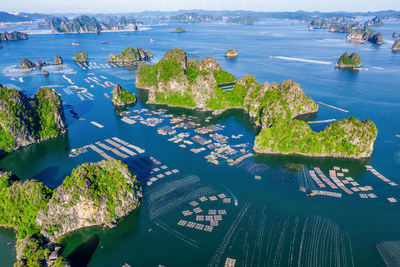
point(94, 194)
point(396, 46)
point(347, 138)
point(85, 24)
point(13, 36)
point(26, 64)
point(179, 81)
point(121, 97)
point(130, 57)
point(231, 53)
point(179, 30)
point(365, 35)
point(24, 121)
point(285, 102)
point(376, 21)
point(80, 24)
point(39, 64)
point(58, 60)
point(81, 57)
point(318, 24)
point(35, 250)
point(346, 28)
point(347, 61)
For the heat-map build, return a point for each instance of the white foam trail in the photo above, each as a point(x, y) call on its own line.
point(303, 60)
point(378, 68)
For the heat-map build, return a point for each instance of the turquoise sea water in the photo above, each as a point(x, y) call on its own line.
point(273, 223)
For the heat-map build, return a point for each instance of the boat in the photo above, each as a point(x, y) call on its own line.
point(104, 42)
point(152, 41)
point(312, 194)
point(74, 44)
point(236, 202)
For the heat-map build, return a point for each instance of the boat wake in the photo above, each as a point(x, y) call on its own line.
point(303, 60)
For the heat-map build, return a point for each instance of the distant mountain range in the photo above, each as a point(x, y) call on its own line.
point(21, 17)
point(237, 16)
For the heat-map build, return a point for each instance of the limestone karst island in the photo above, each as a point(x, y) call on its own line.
point(212, 133)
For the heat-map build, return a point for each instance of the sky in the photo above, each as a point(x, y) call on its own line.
point(114, 6)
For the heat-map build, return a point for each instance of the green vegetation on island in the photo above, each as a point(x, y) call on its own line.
point(24, 120)
point(81, 57)
point(130, 56)
point(231, 53)
point(347, 61)
point(121, 97)
point(347, 138)
point(180, 81)
point(179, 30)
point(94, 194)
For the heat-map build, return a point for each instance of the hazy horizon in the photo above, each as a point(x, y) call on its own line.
point(126, 6)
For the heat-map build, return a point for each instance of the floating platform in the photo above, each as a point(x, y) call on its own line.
point(97, 124)
point(343, 110)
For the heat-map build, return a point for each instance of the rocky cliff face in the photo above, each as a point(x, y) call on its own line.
point(24, 121)
point(94, 194)
point(286, 101)
point(121, 97)
point(81, 57)
point(80, 24)
point(365, 35)
point(396, 46)
point(191, 83)
point(13, 36)
point(84, 24)
point(130, 56)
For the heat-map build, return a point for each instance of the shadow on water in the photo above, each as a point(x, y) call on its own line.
point(119, 109)
point(81, 255)
point(27, 155)
point(291, 162)
point(49, 172)
point(142, 167)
